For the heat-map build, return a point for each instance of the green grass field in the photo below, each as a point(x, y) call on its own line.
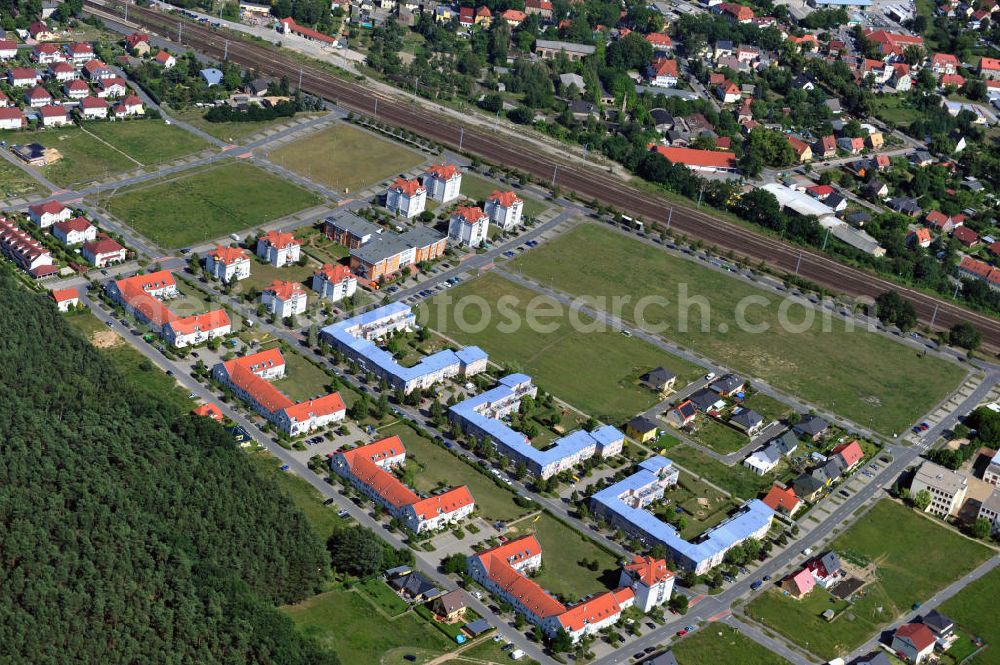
point(16, 183)
point(718, 643)
point(865, 377)
point(303, 380)
point(199, 205)
point(436, 467)
point(263, 274)
point(908, 571)
point(563, 549)
point(479, 188)
point(146, 377)
point(306, 497)
point(148, 141)
point(345, 158)
point(703, 506)
point(721, 438)
point(974, 608)
point(738, 479)
point(597, 372)
point(349, 624)
point(892, 108)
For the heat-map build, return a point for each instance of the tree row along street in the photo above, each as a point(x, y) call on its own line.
point(585, 182)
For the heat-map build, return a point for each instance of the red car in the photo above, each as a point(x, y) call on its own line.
point(681, 633)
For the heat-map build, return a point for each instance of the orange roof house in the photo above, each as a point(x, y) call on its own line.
point(208, 410)
point(782, 500)
point(799, 584)
point(851, 453)
point(698, 160)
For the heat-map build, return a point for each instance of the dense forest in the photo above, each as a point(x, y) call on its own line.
point(132, 533)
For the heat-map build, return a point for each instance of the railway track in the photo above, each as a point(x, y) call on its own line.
point(583, 180)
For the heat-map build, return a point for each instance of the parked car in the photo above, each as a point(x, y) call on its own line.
point(756, 585)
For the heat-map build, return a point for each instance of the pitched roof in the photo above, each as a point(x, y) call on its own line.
point(49, 207)
point(989, 63)
point(470, 214)
point(59, 295)
point(442, 171)
point(408, 187)
point(965, 235)
point(781, 498)
point(334, 273)
point(285, 290)
point(918, 634)
point(504, 199)
point(78, 224)
point(694, 157)
point(228, 255)
point(321, 406)
point(446, 502)
point(208, 410)
point(851, 452)
point(200, 322)
point(243, 374)
point(279, 240)
point(595, 610)
point(648, 570)
point(498, 564)
point(102, 246)
point(803, 581)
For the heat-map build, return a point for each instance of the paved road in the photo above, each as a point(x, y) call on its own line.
point(769, 643)
point(426, 562)
point(937, 600)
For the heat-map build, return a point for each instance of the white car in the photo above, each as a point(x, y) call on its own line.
point(710, 376)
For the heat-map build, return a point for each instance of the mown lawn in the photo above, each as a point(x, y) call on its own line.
point(199, 205)
point(478, 189)
point(148, 141)
point(721, 438)
point(303, 380)
point(84, 158)
point(718, 643)
point(894, 538)
point(231, 132)
point(345, 158)
point(563, 551)
point(16, 183)
point(435, 467)
point(866, 377)
point(974, 608)
point(348, 623)
point(597, 372)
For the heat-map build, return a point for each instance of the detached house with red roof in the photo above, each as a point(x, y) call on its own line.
point(227, 264)
point(735, 12)
point(849, 453)
point(802, 149)
point(45, 54)
point(279, 249)
point(852, 144)
point(95, 70)
point(944, 63)
point(129, 107)
point(192, 330)
point(75, 231)
point(504, 209)
point(662, 73)
point(971, 268)
point(660, 41)
point(284, 299)
point(165, 60)
point(38, 97)
point(913, 642)
point(443, 182)
point(989, 68)
point(334, 282)
point(79, 53)
point(799, 585)
point(406, 197)
point(66, 299)
point(93, 108)
point(249, 377)
point(8, 49)
point(919, 237)
point(48, 213)
point(12, 117)
point(369, 468)
point(966, 236)
point(468, 226)
point(208, 410)
point(22, 77)
point(62, 72)
point(541, 7)
point(76, 89)
point(893, 44)
point(104, 252)
point(728, 92)
point(112, 87)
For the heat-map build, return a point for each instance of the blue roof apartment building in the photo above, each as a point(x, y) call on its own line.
point(624, 506)
point(354, 338)
point(481, 416)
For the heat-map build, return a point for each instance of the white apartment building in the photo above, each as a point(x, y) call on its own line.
point(946, 487)
point(284, 299)
point(228, 263)
point(469, 226)
point(406, 197)
point(334, 282)
point(504, 209)
point(443, 182)
point(279, 249)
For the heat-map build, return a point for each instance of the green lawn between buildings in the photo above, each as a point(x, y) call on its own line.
point(914, 558)
point(718, 643)
point(349, 624)
point(737, 479)
point(346, 158)
point(866, 377)
point(303, 379)
point(563, 550)
point(478, 189)
point(202, 204)
point(974, 608)
point(435, 467)
point(597, 372)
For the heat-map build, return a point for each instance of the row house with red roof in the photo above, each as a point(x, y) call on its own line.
point(250, 378)
point(443, 182)
point(504, 209)
point(21, 248)
point(970, 268)
point(228, 264)
point(8, 49)
point(892, 45)
point(278, 248)
point(284, 299)
point(989, 68)
point(369, 468)
point(406, 197)
point(45, 54)
point(505, 571)
point(334, 282)
point(198, 328)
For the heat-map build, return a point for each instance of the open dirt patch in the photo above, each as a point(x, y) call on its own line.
point(105, 339)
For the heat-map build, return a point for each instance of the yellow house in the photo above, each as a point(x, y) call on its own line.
point(875, 140)
point(641, 429)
